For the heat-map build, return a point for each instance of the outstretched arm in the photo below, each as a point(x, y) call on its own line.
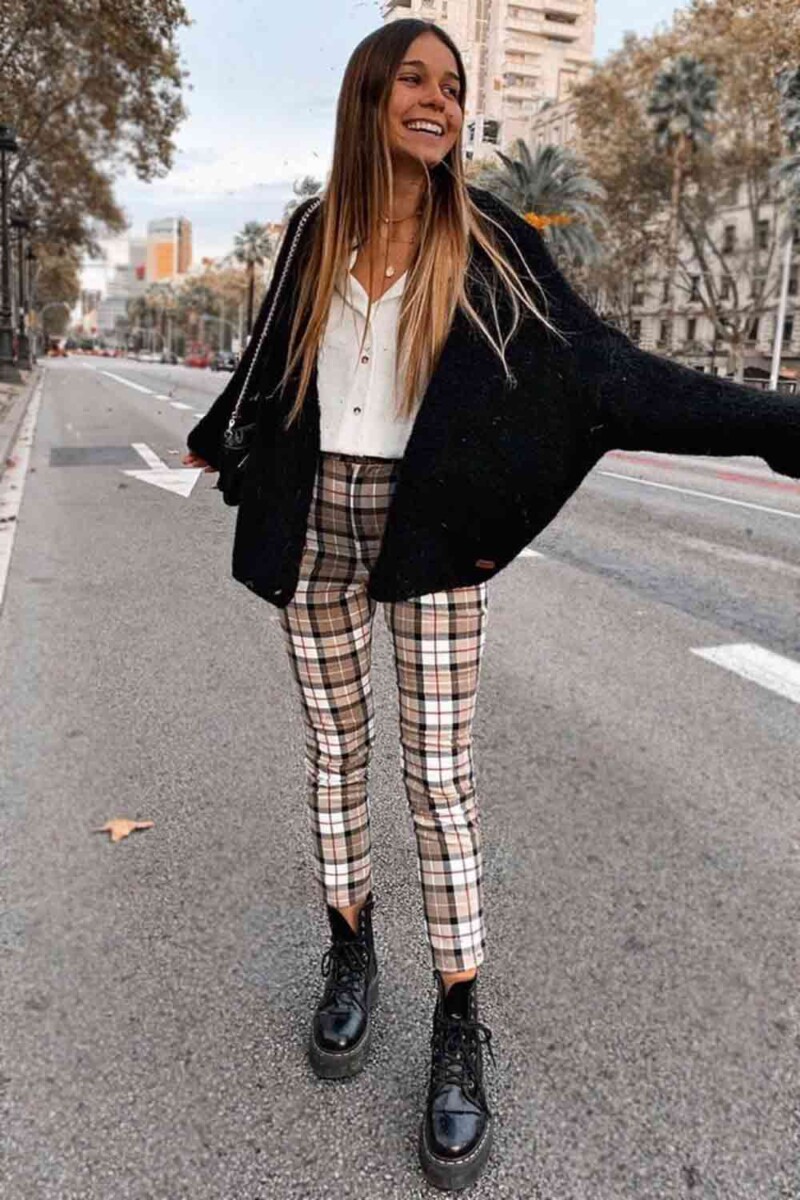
point(647, 402)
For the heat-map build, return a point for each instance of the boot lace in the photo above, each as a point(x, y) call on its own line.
point(456, 1044)
point(344, 965)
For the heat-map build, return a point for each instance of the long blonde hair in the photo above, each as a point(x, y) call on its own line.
point(359, 190)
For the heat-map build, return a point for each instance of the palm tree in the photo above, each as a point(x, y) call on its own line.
point(552, 190)
point(252, 247)
point(787, 172)
point(683, 98)
point(302, 188)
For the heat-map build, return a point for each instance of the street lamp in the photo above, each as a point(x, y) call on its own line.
point(22, 226)
point(30, 261)
point(8, 146)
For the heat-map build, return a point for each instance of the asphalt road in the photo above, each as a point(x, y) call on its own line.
point(640, 818)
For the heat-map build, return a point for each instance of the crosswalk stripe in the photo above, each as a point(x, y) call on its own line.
point(764, 667)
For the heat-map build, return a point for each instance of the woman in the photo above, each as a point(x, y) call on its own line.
point(427, 391)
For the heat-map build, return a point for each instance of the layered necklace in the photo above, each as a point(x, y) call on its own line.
point(390, 241)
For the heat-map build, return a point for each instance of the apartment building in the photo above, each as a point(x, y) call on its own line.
point(747, 261)
point(169, 248)
point(517, 55)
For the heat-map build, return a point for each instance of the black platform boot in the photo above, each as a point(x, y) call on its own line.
point(340, 1031)
point(456, 1134)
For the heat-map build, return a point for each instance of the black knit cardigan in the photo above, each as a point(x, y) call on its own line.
point(489, 461)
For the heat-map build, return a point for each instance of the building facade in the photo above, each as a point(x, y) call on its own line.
point(169, 249)
point(518, 56)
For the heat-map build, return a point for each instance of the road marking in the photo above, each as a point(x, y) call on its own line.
point(179, 404)
point(770, 670)
point(128, 382)
point(180, 482)
point(528, 553)
point(160, 397)
point(762, 561)
point(198, 415)
point(670, 487)
point(12, 485)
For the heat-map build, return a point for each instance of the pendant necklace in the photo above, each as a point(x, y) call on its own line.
point(390, 270)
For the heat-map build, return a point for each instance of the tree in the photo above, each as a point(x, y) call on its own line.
point(252, 247)
point(92, 88)
point(743, 43)
point(684, 96)
point(302, 188)
point(552, 189)
point(55, 281)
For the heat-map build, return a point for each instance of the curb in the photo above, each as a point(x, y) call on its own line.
point(9, 428)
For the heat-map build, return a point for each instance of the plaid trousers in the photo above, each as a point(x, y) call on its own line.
point(438, 641)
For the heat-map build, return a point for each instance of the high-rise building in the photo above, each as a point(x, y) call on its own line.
point(518, 54)
point(169, 248)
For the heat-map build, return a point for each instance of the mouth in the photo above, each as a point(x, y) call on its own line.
point(431, 129)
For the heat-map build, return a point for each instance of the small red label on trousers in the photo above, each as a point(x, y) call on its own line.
point(488, 563)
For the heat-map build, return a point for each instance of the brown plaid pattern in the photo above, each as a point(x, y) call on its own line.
point(438, 640)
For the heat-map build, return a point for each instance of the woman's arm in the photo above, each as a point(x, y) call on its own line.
point(205, 439)
point(647, 402)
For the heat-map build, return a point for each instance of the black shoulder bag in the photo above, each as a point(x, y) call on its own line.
point(237, 439)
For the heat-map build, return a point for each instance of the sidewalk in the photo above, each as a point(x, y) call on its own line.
point(14, 399)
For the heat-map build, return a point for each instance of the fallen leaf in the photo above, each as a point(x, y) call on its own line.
point(121, 827)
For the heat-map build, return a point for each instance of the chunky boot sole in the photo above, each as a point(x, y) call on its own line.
point(454, 1174)
point(343, 1064)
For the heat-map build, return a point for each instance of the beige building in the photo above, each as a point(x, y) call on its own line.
point(517, 56)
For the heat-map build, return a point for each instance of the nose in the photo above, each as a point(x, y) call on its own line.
point(434, 100)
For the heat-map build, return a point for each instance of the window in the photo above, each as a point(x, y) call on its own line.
point(788, 330)
point(637, 293)
point(762, 235)
point(794, 281)
point(664, 331)
point(561, 18)
point(752, 330)
point(729, 239)
point(491, 132)
point(665, 291)
point(691, 329)
point(636, 332)
point(694, 294)
point(726, 287)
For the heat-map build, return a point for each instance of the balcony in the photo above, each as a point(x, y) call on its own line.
point(391, 5)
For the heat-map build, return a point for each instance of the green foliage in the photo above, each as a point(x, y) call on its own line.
point(551, 182)
point(684, 96)
point(91, 88)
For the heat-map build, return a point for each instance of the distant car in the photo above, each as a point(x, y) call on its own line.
point(224, 360)
point(197, 358)
point(169, 357)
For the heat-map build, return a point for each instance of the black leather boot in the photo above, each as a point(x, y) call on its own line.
point(340, 1031)
point(456, 1134)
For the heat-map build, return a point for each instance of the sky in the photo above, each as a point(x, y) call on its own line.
point(261, 96)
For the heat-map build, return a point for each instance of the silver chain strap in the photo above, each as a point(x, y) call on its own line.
point(312, 208)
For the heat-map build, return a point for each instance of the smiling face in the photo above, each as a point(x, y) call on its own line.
point(424, 112)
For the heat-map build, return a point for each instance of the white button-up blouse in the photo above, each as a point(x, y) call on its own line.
point(358, 390)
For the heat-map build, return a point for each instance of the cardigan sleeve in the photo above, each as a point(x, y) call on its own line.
point(647, 402)
point(205, 438)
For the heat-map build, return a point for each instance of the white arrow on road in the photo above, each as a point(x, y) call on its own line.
point(179, 481)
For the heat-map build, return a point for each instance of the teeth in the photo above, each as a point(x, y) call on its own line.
point(425, 126)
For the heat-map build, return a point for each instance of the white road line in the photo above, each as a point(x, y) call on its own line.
point(128, 383)
point(198, 415)
point(528, 553)
point(770, 670)
point(670, 487)
point(160, 397)
point(12, 485)
point(179, 404)
point(152, 459)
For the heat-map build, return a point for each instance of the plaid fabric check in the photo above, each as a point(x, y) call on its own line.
point(438, 640)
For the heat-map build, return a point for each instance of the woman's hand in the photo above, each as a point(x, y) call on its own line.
point(193, 460)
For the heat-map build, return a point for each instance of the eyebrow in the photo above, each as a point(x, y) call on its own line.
point(417, 62)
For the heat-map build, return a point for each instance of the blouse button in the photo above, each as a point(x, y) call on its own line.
point(365, 358)
point(356, 410)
